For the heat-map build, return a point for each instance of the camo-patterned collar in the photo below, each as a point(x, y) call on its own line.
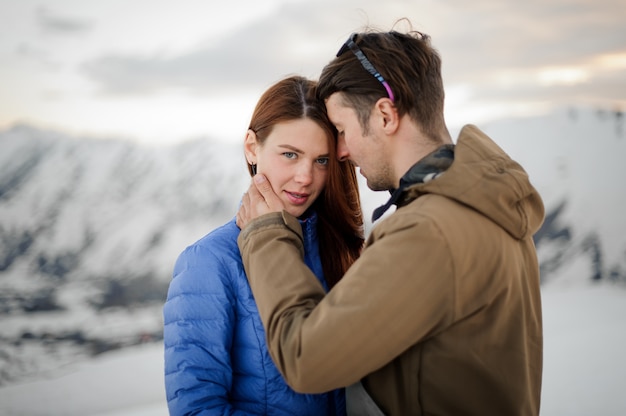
point(427, 169)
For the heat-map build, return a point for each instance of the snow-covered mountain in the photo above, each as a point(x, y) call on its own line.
point(89, 232)
point(90, 229)
point(575, 159)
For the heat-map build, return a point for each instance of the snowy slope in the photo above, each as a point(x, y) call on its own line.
point(90, 229)
point(575, 159)
point(585, 338)
point(89, 232)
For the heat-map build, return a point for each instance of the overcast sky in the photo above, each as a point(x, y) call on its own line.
point(162, 71)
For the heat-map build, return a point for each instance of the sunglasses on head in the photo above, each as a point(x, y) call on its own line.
point(350, 44)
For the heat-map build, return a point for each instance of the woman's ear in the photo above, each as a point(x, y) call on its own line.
point(250, 146)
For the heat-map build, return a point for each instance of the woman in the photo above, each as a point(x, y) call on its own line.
point(216, 358)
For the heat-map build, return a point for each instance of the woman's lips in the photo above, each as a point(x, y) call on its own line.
point(297, 198)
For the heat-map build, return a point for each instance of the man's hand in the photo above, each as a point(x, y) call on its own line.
point(260, 199)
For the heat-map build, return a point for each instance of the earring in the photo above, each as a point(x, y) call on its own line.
point(253, 167)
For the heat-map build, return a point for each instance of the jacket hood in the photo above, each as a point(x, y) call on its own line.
point(485, 178)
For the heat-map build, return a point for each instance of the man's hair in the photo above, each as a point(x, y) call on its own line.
point(407, 62)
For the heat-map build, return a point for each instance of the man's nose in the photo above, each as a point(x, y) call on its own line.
point(342, 149)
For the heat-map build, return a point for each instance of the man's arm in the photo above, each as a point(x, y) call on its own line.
point(377, 311)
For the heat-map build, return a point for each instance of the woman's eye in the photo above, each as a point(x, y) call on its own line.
point(290, 155)
point(322, 161)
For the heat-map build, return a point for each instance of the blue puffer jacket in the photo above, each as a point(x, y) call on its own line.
point(216, 358)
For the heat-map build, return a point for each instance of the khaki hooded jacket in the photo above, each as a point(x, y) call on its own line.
point(441, 314)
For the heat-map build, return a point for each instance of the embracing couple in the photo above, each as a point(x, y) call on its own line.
point(288, 310)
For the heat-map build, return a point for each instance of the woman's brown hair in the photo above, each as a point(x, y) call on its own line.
point(340, 219)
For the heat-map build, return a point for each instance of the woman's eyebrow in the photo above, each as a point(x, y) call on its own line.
point(296, 150)
point(292, 148)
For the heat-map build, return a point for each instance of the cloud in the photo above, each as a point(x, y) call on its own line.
point(525, 53)
point(211, 69)
point(531, 34)
point(50, 22)
point(300, 37)
point(36, 54)
point(530, 54)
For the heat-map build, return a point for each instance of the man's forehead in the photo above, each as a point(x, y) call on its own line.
point(332, 99)
point(335, 102)
point(337, 114)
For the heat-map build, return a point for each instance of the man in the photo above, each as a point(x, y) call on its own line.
point(441, 314)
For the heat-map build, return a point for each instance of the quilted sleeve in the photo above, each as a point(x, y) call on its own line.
point(198, 331)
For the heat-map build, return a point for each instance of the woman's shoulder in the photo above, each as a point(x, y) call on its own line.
point(215, 253)
point(217, 242)
point(208, 270)
point(222, 236)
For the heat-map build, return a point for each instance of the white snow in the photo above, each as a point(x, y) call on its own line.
point(127, 382)
point(584, 366)
point(575, 155)
point(584, 324)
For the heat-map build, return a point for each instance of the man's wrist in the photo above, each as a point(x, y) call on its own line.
point(271, 220)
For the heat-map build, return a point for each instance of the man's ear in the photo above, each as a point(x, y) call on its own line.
point(250, 145)
point(387, 114)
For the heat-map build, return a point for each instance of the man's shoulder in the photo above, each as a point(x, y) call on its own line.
point(425, 210)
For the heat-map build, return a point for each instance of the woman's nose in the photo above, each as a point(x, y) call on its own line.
point(304, 174)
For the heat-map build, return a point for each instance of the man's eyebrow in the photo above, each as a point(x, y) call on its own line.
point(296, 150)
